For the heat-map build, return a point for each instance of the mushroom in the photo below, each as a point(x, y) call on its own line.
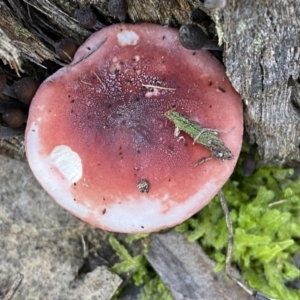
point(98, 141)
point(192, 37)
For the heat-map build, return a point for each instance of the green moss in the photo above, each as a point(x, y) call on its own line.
point(264, 209)
point(140, 270)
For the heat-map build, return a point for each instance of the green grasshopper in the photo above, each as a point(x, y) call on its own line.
point(206, 137)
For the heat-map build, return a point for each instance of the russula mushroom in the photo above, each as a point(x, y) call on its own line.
point(98, 141)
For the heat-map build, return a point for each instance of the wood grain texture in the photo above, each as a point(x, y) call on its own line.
point(262, 60)
point(188, 272)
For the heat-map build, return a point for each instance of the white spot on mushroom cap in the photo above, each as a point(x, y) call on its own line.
point(153, 93)
point(68, 162)
point(48, 176)
point(127, 37)
point(136, 58)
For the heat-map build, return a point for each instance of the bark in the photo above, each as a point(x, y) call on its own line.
point(262, 60)
point(261, 39)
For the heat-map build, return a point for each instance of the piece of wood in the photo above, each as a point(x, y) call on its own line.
point(188, 272)
point(262, 59)
point(14, 287)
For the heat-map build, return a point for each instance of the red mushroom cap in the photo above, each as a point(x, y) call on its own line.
point(98, 141)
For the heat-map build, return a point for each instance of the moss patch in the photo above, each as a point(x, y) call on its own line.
point(140, 270)
point(264, 209)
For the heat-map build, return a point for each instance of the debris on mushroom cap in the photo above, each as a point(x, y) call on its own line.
point(143, 186)
point(97, 128)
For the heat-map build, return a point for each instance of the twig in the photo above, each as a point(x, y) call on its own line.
point(85, 249)
point(84, 82)
point(49, 8)
point(158, 87)
point(85, 56)
point(255, 294)
point(14, 287)
point(230, 233)
point(101, 82)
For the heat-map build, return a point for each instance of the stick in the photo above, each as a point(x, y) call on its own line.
point(14, 287)
point(255, 294)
